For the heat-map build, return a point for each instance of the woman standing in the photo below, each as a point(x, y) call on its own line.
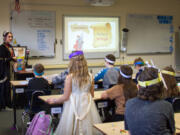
point(6, 56)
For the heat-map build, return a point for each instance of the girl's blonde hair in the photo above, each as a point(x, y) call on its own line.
point(79, 70)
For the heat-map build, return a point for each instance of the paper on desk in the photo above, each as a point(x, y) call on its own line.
point(24, 82)
point(28, 69)
point(49, 77)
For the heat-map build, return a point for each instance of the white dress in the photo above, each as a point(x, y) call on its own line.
point(79, 112)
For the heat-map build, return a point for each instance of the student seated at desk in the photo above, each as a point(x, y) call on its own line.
point(38, 82)
point(124, 90)
point(138, 63)
point(172, 90)
point(109, 74)
point(148, 113)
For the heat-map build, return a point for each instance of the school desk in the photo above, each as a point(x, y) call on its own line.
point(177, 122)
point(117, 128)
point(18, 87)
point(100, 103)
point(113, 128)
point(97, 96)
point(23, 75)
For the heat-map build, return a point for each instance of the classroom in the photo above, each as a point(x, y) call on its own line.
point(54, 53)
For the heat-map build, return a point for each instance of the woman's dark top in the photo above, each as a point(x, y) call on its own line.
point(5, 58)
point(5, 89)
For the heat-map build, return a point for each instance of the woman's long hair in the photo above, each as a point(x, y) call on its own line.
point(129, 87)
point(171, 83)
point(79, 70)
point(153, 92)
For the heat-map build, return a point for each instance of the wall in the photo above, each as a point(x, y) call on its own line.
point(4, 16)
point(80, 7)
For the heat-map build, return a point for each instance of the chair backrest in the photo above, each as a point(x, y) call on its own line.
point(36, 104)
point(176, 104)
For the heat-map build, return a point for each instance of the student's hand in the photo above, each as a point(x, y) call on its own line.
point(104, 95)
point(14, 58)
point(50, 81)
point(15, 66)
point(51, 101)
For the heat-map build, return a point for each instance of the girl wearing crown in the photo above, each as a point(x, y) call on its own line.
point(79, 110)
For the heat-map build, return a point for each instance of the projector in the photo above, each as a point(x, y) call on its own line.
point(101, 2)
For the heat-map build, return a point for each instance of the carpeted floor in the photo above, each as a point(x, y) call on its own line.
point(6, 122)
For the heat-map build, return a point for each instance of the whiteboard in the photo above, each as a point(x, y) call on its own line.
point(149, 34)
point(36, 30)
point(96, 36)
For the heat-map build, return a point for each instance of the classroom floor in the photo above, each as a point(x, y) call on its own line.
point(6, 122)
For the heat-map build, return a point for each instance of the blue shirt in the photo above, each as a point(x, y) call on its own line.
point(109, 75)
point(137, 75)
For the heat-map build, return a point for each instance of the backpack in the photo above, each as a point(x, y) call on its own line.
point(40, 125)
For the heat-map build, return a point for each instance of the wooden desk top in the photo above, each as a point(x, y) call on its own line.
point(24, 72)
point(177, 122)
point(19, 83)
point(115, 127)
point(97, 96)
point(44, 98)
point(111, 128)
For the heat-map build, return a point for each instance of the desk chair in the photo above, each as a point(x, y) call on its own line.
point(36, 105)
point(176, 105)
point(106, 108)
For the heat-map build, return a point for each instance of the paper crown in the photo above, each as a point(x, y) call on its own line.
point(76, 53)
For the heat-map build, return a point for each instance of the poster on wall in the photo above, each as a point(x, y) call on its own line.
point(96, 36)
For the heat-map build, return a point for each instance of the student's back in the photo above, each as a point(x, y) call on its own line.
point(110, 74)
point(39, 84)
point(149, 118)
point(111, 77)
point(149, 114)
point(123, 91)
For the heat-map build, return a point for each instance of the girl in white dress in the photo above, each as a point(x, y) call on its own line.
point(79, 110)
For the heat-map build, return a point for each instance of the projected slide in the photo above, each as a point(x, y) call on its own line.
point(96, 36)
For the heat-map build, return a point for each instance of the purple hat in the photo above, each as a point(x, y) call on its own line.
point(76, 53)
